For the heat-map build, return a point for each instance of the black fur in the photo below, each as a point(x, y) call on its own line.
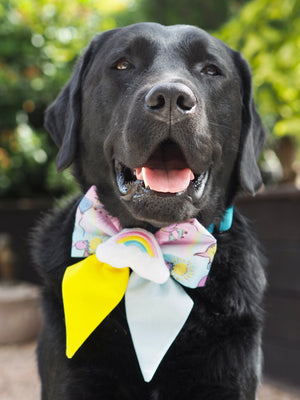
point(101, 117)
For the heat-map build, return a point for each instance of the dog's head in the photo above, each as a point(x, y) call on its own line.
point(162, 121)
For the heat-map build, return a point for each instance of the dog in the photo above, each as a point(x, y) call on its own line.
point(161, 121)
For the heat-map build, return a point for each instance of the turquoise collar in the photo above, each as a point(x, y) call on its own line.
point(226, 222)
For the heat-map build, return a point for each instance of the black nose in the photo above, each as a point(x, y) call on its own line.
point(175, 99)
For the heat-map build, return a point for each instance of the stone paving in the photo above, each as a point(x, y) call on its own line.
point(19, 377)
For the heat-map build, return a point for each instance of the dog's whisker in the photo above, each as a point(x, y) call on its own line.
point(216, 124)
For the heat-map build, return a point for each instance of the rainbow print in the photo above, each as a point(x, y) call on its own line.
point(140, 239)
point(137, 249)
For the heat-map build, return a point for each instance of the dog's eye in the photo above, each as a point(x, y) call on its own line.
point(123, 64)
point(211, 70)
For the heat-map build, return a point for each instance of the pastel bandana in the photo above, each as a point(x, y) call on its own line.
point(156, 304)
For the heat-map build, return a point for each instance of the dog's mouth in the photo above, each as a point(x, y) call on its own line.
point(165, 173)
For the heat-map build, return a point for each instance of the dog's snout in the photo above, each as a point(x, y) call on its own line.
point(170, 98)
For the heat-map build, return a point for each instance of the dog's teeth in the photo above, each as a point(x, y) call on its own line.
point(201, 184)
point(145, 179)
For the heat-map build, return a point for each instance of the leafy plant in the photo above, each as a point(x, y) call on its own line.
point(39, 43)
point(268, 34)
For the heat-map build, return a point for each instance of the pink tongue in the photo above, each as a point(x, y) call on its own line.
point(166, 181)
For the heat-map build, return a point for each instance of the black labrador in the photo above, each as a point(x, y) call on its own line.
point(149, 97)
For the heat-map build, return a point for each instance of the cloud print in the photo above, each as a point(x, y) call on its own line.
point(119, 255)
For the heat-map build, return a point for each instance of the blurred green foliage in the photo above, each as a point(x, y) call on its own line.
point(41, 39)
point(268, 35)
point(206, 14)
point(39, 43)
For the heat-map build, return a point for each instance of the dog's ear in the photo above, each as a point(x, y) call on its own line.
point(63, 116)
point(252, 133)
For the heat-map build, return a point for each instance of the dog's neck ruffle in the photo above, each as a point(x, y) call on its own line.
point(157, 306)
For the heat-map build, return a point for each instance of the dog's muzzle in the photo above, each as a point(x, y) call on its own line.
point(166, 172)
